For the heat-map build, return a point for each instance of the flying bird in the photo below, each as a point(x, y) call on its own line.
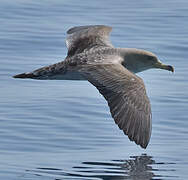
point(92, 57)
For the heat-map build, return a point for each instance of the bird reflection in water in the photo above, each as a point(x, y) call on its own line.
point(136, 167)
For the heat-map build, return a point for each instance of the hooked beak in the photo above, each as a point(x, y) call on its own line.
point(160, 65)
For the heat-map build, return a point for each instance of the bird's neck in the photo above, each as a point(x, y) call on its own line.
point(131, 61)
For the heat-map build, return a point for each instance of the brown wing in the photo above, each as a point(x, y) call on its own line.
point(126, 96)
point(85, 37)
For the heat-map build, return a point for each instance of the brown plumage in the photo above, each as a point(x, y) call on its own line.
point(92, 57)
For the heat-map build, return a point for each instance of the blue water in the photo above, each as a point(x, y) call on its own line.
point(56, 130)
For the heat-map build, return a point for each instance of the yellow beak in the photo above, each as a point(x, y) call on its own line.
point(164, 66)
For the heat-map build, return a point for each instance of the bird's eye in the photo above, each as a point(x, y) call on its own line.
point(150, 57)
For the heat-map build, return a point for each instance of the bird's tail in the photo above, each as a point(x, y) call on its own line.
point(58, 71)
point(47, 72)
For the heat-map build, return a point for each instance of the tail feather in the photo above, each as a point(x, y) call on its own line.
point(45, 72)
point(24, 75)
point(57, 71)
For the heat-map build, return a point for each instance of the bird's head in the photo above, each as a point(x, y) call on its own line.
point(139, 60)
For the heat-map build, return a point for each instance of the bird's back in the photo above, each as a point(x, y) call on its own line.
point(95, 55)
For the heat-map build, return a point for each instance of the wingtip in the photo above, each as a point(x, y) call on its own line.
point(136, 141)
point(79, 28)
point(144, 146)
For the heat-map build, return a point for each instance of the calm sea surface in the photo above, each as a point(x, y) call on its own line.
point(56, 130)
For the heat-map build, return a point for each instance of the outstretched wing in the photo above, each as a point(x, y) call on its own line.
point(126, 96)
point(85, 37)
